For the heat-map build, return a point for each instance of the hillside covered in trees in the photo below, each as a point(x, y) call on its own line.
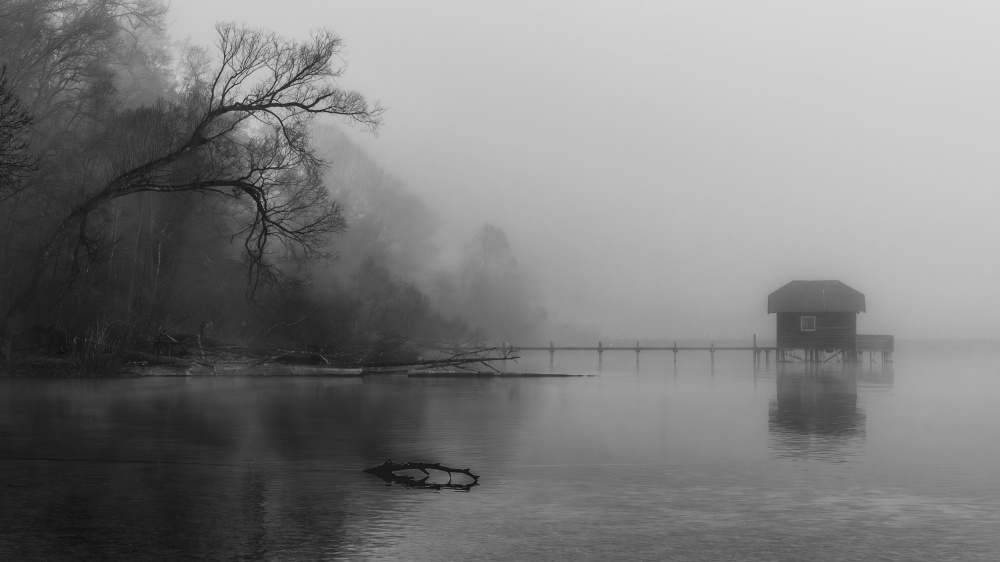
point(151, 192)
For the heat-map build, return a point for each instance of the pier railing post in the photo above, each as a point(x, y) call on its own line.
point(552, 357)
point(600, 356)
point(637, 356)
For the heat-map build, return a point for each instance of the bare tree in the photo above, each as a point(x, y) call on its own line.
point(488, 258)
point(239, 132)
point(56, 50)
point(492, 292)
point(15, 161)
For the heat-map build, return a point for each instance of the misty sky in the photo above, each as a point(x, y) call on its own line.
point(663, 166)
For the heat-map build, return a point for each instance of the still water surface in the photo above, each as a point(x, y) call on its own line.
point(685, 463)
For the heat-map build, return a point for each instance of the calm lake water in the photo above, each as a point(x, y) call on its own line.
point(685, 463)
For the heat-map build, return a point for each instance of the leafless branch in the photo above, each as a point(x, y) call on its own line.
point(206, 143)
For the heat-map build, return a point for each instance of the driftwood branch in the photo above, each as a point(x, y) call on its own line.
point(458, 358)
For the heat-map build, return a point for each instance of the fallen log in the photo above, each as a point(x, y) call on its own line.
point(219, 354)
point(134, 355)
point(481, 356)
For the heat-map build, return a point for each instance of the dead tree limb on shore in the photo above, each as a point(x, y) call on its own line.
point(387, 472)
point(215, 351)
point(290, 358)
point(134, 355)
point(461, 358)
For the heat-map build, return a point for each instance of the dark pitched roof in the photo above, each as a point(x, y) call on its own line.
point(815, 296)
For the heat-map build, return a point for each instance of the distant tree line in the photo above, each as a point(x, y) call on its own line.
point(146, 188)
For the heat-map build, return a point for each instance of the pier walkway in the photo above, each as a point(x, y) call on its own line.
point(711, 348)
point(873, 344)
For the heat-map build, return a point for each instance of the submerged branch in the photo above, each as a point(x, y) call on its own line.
point(387, 472)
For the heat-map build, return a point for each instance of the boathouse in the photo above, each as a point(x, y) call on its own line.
point(816, 316)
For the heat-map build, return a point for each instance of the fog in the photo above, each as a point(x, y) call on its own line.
point(659, 168)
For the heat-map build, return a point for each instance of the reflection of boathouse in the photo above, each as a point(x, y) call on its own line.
point(816, 417)
point(818, 317)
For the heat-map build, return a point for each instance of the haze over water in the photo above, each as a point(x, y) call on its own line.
point(660, 167)
point(659, 464)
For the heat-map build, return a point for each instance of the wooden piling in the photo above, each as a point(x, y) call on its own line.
point(756, 354)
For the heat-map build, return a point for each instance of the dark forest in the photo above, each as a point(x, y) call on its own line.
point(153, 194)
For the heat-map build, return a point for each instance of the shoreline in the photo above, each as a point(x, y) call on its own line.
point(48, 368)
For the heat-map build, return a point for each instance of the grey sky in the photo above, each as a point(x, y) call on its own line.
point(663, 166)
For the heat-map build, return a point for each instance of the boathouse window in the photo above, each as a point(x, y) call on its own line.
point(807, 323)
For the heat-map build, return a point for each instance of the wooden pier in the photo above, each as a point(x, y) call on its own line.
point(815, 318)
point(883, 345)
point(873, 344)
point(711, 348)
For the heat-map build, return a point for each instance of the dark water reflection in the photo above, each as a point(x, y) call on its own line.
point(818, 416)
point(663, 464)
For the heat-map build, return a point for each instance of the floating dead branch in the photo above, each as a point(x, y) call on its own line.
point(389, 471)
